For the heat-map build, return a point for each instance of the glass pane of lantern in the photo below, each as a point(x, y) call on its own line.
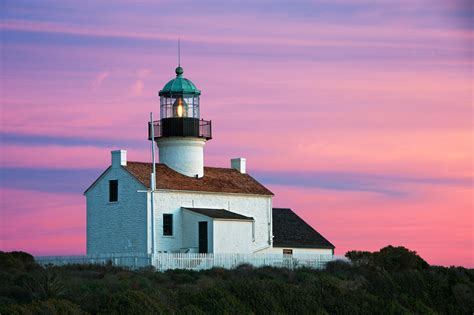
point(197, 115)
point(189, 108)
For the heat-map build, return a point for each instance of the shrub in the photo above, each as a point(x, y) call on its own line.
point(360, 257)
point(17, 262)
point(399, 258)
point(132, 302)
point(48, 307)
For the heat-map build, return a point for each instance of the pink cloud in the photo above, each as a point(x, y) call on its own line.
point(137, 87)
point(143, 73)
point(43, 223)
point(54, 156)
point(100, 78)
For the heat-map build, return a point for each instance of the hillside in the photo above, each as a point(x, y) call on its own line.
point(391, 281)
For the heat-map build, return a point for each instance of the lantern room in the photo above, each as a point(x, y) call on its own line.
point(179, 111)
point(179, 98)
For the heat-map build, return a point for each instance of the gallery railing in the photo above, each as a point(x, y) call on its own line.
point(181, 127)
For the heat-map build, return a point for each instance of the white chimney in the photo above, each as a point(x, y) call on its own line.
point(238, 164)
point(119, 158)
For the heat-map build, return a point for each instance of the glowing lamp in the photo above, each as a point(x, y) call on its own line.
point(180, 108)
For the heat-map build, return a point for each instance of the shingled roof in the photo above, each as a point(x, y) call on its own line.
point(215, 179)
point(289, 230)
point(219, 214)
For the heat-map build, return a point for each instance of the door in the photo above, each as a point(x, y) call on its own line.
point(203, 237)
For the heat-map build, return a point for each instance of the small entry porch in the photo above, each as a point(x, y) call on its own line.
point(208, 230)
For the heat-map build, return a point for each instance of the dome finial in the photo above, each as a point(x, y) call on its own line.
point(179, 71)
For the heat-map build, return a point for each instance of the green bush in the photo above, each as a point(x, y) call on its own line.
point(17, 262)
point(393, 280)
point(132, 302)
point(48, 307)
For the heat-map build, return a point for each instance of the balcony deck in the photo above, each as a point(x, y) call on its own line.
point(181, 127)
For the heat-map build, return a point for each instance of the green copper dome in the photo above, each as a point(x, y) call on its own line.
point(179, 86)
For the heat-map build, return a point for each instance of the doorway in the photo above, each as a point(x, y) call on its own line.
point(203, 237)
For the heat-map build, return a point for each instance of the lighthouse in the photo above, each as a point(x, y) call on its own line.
point(181, 134)
point(186, 208)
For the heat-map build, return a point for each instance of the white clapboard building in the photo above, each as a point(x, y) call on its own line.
point(178, 205)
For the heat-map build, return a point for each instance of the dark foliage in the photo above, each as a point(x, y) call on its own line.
point(390, 258)
point(393, 280)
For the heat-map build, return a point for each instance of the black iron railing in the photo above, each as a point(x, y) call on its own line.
point(181, 127)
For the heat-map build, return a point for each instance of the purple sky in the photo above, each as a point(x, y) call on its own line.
point(357, 114)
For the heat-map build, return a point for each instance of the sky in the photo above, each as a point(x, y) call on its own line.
point(356, 114)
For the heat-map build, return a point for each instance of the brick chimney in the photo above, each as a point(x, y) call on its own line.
point(119, 158)
point(238, 164)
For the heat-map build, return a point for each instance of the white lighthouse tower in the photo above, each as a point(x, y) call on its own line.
point(180, 133)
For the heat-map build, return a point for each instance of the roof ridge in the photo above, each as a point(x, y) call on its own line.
point(213, 167)
point(215, 179)
point(219, 167)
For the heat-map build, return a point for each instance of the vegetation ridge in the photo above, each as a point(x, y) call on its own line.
point(393, 280)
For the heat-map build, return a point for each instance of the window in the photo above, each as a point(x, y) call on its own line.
point(287, 251)
point(167, 224)
point(113, 190)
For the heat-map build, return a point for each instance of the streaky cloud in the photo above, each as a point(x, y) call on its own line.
point(352, 181)
point(41, 140)
point(48, 180)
